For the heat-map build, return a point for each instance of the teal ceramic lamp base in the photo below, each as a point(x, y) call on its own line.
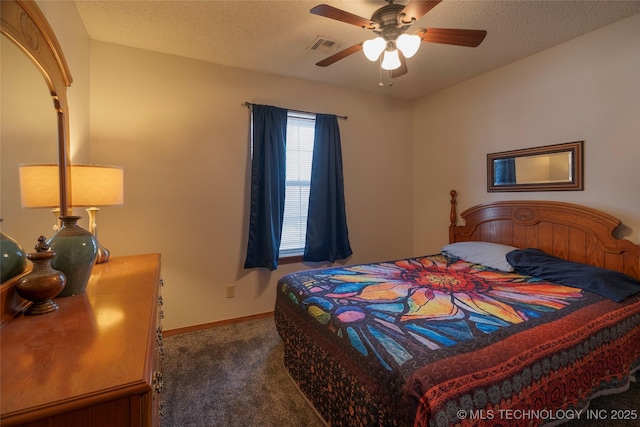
point(76, 251)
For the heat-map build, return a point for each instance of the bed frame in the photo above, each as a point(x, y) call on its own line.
point(572, 232)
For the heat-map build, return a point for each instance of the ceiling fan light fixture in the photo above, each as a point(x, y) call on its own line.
point(391, 60)
point(373, 48)
point(408, 44)
point(389, 24)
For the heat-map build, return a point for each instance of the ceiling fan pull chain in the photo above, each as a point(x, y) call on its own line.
point(380, 72)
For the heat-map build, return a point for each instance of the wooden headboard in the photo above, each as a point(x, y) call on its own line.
point(568, 231)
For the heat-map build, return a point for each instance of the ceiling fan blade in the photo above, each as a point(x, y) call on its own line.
point(340, 15)
point(417, 9)
point(340, 55)
point(469, 38)
point(402, 70)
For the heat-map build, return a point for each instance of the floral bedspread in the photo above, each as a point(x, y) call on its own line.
point(439, 341)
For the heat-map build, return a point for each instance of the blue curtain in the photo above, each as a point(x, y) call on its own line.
point(505, 170)
point(327, 235)
point(268, 165)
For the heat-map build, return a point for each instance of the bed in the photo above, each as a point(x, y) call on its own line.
point(445, 340)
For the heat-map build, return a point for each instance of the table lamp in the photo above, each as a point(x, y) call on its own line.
point(91, 186)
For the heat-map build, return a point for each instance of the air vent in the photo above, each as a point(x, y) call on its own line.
point(323, 45)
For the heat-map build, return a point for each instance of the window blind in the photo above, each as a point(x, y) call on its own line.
point(299, 156)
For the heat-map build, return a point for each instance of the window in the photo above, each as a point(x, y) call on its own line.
point(300, 135)
point(281, 202)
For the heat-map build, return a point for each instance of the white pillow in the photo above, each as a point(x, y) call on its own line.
point(492, 255)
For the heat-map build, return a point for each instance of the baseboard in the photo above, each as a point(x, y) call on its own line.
point(194, 328)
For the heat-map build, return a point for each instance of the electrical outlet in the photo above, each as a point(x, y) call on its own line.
point(231, 291)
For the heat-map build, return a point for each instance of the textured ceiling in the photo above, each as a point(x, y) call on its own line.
point(274, 36)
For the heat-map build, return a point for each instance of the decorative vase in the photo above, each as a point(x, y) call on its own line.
point(76, 251)
point(13, 260)
point(43, 283)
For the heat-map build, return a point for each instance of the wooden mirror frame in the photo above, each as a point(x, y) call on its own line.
point(575, 183)
point(23, 23)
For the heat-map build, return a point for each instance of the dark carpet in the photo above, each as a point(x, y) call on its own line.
point(233, 376)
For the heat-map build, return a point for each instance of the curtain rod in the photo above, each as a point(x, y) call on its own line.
point(249, 104)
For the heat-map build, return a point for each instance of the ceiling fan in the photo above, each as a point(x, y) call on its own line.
point(393, 41)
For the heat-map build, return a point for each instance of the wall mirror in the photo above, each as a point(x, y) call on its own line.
point(23, 25)
point(28, 134)
point(39, 122)
point(556, 167)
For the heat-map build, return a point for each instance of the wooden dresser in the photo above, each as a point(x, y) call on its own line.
point(94, 362)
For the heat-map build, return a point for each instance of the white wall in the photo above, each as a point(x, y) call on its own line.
point(586, 89)
point(180, 130)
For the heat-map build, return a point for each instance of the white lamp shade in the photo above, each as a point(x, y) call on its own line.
point(373, 48)
point(391, 60)
point(91, 185)
point(408, 44)
point(39, 186)
point(94, 185)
